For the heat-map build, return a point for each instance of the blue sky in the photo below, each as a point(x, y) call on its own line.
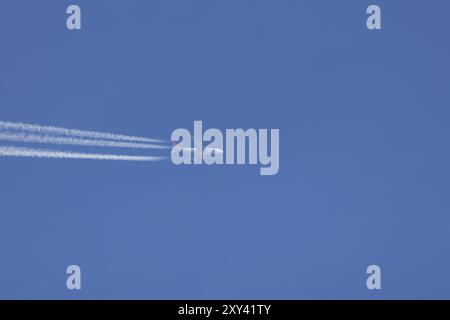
point(364, 176)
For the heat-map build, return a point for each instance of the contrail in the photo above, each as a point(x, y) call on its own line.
point(35, 138)
point(42, 153)
point(5, 125)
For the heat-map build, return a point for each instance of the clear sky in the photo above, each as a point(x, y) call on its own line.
point(364, 156)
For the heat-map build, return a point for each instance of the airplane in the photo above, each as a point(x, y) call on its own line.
point(198, 152)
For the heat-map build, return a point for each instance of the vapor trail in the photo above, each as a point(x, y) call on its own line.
point(42, 153)
point(36, 138)
point(5, 125)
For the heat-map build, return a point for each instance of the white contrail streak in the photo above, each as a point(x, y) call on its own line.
point(5, 125)
point(42, 153)
point(34, 138)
